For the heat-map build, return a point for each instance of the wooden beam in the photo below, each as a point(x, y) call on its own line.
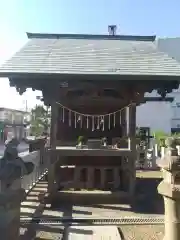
point(133, 157)
point(53, 141)
point(158, 99)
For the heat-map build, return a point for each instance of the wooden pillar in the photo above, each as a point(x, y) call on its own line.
point(90, 177)
point(103, 177)
point(53, 140)
point(77, 175)
point(116, 177)
point(123, 123)
point(133, 157)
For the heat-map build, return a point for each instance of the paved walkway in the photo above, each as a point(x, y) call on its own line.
point(34, 207)
point(92, 233)
point(50, 228)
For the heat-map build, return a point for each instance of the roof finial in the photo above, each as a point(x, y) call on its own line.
point(112, 29)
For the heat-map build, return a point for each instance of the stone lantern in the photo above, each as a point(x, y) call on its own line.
point(169, 188)
point(11, 194)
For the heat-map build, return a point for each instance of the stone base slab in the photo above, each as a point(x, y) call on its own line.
point(92, 233)
point(89, 197)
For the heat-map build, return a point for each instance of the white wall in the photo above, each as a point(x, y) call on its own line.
point(156, 115)
point(161, 115)
point(171, 46)
point(175, 123)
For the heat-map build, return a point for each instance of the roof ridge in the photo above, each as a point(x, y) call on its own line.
point(91, 36)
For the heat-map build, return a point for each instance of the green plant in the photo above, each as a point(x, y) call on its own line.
point(40, 120)
point(81, 139)
point(160, 137)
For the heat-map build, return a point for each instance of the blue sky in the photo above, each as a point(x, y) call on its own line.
point(141, 17)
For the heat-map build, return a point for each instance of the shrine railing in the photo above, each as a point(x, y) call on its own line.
point(40, 160)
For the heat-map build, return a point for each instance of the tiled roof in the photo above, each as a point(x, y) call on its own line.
point(90, 54)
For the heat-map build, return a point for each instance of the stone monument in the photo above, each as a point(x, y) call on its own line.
point(169, 188)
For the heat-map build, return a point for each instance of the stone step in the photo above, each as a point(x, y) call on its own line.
point(92, 233)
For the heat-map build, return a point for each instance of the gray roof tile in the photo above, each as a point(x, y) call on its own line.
point(91, 56)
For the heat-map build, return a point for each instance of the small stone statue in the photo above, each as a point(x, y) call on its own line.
point(12, 166)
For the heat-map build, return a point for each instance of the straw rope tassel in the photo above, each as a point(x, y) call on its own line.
point(81, 121)
point(100, 118)
point(103, 123)
point(109, 123)
point(92, 123)
point(114, 115)
point(87, 121)
point(98, 123)
point(75, 120)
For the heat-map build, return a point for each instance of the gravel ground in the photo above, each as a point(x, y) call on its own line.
point(142, 232)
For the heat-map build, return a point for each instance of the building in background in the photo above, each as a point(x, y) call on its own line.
point(171, 46)
point(175, 121)
point(155, 115)
point(163, 116)
point(13, 123)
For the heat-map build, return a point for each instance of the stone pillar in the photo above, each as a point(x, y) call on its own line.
point(169, 188)
point(11, 194)
point(178, 148)
point(10, 202)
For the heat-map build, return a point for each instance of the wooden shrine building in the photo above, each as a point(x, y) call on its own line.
point(93, 84)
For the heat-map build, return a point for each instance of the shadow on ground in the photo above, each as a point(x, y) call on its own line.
point(147, 199)
point(50, 227)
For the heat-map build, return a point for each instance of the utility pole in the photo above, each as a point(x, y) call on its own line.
point(26, 106)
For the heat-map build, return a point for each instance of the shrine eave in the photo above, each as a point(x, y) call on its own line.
point(90, 36)
point(88, 76)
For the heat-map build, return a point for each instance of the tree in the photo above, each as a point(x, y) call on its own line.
point(40, 120)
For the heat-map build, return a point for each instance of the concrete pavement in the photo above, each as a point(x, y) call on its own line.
point(92, 233)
